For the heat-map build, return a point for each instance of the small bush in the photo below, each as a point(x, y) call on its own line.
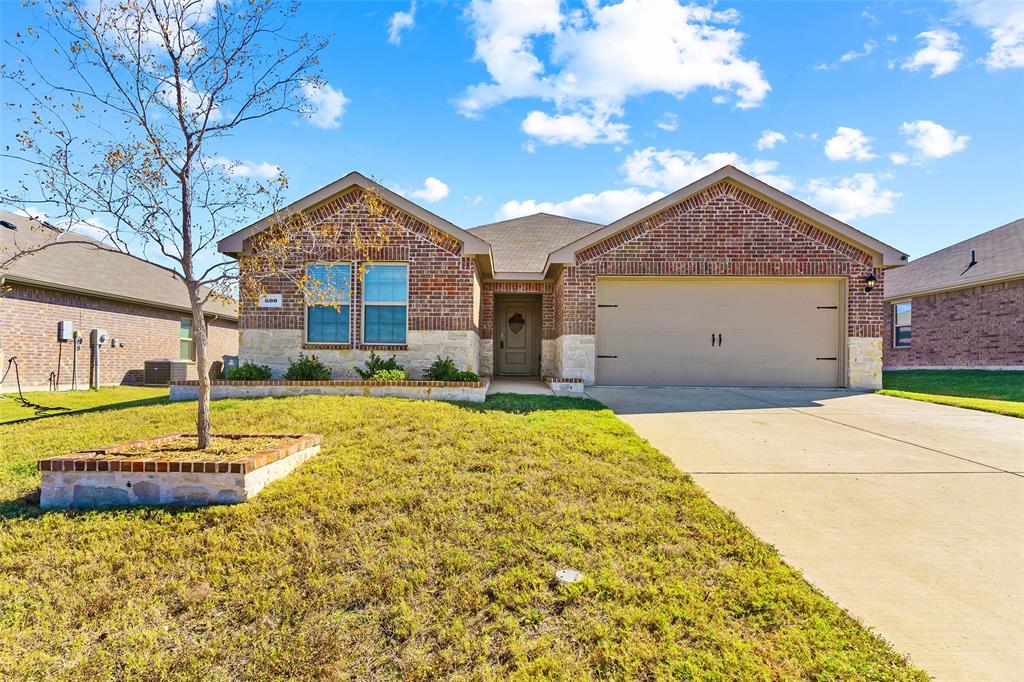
point(307, 369)
point(388, 375)
point(444, 369)
point(249, 371)
point(376, 363)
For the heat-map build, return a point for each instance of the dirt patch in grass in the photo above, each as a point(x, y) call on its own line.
point(186, 449)
point(421, 544)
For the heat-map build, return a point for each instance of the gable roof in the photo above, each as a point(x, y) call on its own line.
point(999, 254)
point(522, 245)
point(83, 265)
point(886, 256)
point(471, 245)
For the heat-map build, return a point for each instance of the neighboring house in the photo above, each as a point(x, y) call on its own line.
point(960, 307)
point(727, 281)
point(143, 308)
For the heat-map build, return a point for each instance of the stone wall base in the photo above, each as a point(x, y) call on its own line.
point(864, 362)
point(576, 357)
point(475, 393)
point(91, 489)
point(274, 347)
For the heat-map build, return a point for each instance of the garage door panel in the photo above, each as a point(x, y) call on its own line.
point(775, 332)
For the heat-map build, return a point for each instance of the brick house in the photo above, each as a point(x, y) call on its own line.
point(960, 307)
point(142, 307)
point(727, 281)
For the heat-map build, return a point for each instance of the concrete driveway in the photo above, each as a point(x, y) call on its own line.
point(909, 515)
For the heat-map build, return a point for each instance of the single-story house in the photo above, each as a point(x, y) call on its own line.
point(727, 281)
point(81, 281)
point(960, 307)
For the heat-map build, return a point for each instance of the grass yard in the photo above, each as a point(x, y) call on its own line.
point(420, 544)
point(50, 403)
point(1001, 392)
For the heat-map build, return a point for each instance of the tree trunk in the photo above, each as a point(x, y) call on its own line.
point(199, 338)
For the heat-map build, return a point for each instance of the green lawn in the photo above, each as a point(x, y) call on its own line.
point(420, 544)
point(50, 403)
point(1001, 392)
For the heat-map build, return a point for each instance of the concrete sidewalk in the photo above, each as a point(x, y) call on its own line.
point(909, 515)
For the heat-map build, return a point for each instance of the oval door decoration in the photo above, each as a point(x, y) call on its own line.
point(516, 322)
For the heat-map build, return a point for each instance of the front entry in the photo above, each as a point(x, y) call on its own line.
point(516, 325)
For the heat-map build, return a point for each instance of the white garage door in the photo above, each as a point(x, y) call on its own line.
point(719, 332)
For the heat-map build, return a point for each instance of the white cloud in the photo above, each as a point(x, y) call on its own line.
point(857, 196)
point(600, 55)
point(1004, 20)
point(668, 121)
point(853, 55)
point(576, 129)
point(848, 143)
point(475, 201)
point(248, 169)
point(324, 105)
point(603, 207)
point(931, 140)
point(401, 21)
point(769, 139)
point(899, 159)
point(941, 52)
point(669, 170)
point(433, 191)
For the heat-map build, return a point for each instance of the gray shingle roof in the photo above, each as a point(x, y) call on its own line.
point(87, 266)
point(523, 244)
point(999, 254)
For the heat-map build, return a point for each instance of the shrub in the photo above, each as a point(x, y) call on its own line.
point(376, 363)
point(388, 375)
point(248, 371)
point(307, 369)
point(444, 369)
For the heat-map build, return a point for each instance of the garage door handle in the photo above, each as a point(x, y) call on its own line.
point(719, 340)
point(712, 339)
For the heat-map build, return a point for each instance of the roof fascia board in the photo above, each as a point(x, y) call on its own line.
point(471, 244)
point(956, 287)
point(886, 255)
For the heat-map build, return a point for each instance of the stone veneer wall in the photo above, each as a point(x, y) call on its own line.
point(981, 326)
point(444, 307)
point(28, 330)
point(721, 231)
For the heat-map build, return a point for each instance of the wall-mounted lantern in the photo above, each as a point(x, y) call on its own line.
point(869, 283)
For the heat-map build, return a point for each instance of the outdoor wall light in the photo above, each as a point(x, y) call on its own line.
point(869, 283)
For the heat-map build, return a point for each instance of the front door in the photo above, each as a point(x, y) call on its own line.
point(515, 326)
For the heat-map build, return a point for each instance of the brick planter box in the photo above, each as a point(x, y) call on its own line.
point(472, 391)
point(101, 478)
point(573, 387)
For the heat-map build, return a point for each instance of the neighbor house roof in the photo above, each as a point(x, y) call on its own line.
point(79, 264)
point(885, 255)
point(998, 256)
point(523, 244)
point(471, 245)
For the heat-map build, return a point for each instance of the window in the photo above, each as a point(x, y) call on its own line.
point(186, 346)
point(327, 315)
point(901, 325)
point(385, 303)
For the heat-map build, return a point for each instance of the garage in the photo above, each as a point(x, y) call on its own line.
point(724, 331)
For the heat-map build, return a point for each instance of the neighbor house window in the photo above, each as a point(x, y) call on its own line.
point(329, 306)
point(901, 325)
point(385, 303)
point(186, 346)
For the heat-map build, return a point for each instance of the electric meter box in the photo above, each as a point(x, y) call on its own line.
point(97, 337)
point(65, 330)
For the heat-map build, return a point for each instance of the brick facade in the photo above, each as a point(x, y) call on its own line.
point(29, 331)
point(441, 280)
point(721, 231)
point(978, 327)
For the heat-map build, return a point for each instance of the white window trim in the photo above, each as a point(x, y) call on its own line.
point(191, 340)
point(362, 304)
point(306, 307)
point(895, 327)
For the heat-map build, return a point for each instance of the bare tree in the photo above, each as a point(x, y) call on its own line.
point(122, 134)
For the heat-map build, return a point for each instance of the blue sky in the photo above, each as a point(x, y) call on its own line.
point(904, 119)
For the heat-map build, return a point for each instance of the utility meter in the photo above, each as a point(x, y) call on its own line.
point(97, 337)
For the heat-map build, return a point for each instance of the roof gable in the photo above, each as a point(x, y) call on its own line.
point(472, 245)
point(884, 254)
